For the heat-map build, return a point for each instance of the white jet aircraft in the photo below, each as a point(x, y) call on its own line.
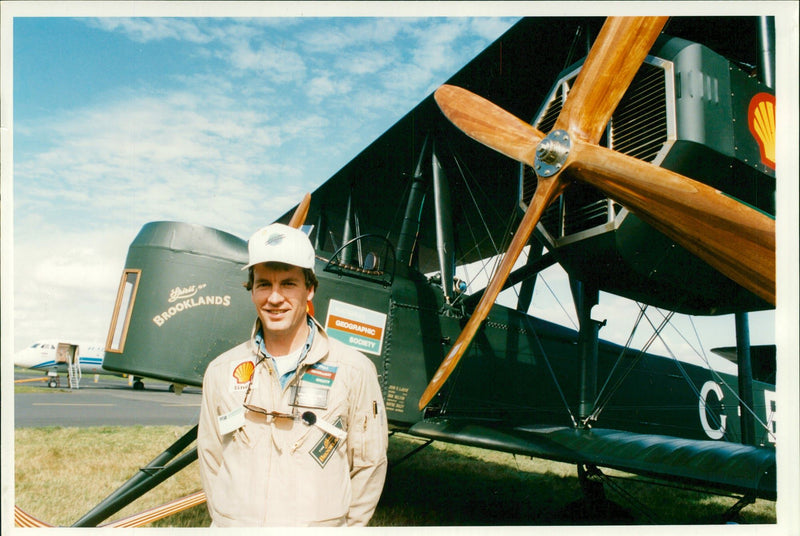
point(54, 356)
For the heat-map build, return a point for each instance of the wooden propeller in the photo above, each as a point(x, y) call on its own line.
point(735, 239)
point(297, 221)
point(300, 213)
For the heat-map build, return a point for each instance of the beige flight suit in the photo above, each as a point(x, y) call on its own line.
point(281, 471)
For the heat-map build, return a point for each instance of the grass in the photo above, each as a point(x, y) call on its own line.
point(60, 473)
point(35, 388)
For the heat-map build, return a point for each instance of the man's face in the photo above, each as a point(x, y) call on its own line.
point(280, 296)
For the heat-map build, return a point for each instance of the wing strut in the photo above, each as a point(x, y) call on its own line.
point(445, 243)
point(586, 297)
point(408, 232)
point(745, 378)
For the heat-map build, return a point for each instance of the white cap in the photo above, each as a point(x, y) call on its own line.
point(280, 243)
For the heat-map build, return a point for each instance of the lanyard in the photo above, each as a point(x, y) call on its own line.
point(291, 375)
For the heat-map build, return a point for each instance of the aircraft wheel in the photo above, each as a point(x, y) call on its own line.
point(52, 384)
point(171, 388)
point(138, 385)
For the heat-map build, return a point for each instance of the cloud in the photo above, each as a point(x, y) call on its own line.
point(488, 28)
point(65, 282)
point(321, 87)
point(352, 33)
point(145, 30)
point(144, 158)
point(276, 63)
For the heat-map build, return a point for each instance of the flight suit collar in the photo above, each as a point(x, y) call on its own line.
point(263, 353)
point(318, 347)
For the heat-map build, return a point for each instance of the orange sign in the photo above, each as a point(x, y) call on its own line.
point(355, 327)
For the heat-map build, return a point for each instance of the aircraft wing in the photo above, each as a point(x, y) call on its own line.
point(763, 359)
point(719, 465)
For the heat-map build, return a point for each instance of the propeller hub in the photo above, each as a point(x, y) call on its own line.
point(552, 152)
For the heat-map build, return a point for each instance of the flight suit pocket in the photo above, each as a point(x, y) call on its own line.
point(367, 443)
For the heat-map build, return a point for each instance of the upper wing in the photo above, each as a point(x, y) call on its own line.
point(380, 177)
point(516, 73)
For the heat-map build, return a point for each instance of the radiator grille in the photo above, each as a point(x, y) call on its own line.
point(639, 127)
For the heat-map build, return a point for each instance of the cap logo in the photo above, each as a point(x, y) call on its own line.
point(274, 239)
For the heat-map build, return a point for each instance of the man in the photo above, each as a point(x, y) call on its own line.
point(293, 427)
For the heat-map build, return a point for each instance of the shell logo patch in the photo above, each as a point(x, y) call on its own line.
point(244, 372)
point(241, 375)
point(761, 121)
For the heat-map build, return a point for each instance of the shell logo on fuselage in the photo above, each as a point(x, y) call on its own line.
point(185, 298)
point(761, 121)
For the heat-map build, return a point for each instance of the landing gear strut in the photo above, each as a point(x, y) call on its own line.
point(594, 507)
point(53, 380)
point(733, 512)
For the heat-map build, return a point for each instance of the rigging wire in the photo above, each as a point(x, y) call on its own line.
point(617, 363)
point(600, 406)
point(558, 301)
point(531, 327)
point(497, 259)
point(695, 390)
point(468, 184)
point(715, 375)
point(396, 220)
point(487, 268)
point(657, 334)
point(719, 378)
point(470, 228)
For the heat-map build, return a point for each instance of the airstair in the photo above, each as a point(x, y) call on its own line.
point(69, 355)
point(74, 371)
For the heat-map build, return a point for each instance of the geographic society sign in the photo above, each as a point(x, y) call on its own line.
point(355, 326)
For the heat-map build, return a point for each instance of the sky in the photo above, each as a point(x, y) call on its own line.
point(219, 122)
point(224, 122)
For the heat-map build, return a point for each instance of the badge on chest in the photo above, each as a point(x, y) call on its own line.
point(313, 389)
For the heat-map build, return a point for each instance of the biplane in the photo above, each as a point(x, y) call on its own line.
point(637, 153)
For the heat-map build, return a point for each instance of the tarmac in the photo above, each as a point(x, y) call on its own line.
point(109, 401)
